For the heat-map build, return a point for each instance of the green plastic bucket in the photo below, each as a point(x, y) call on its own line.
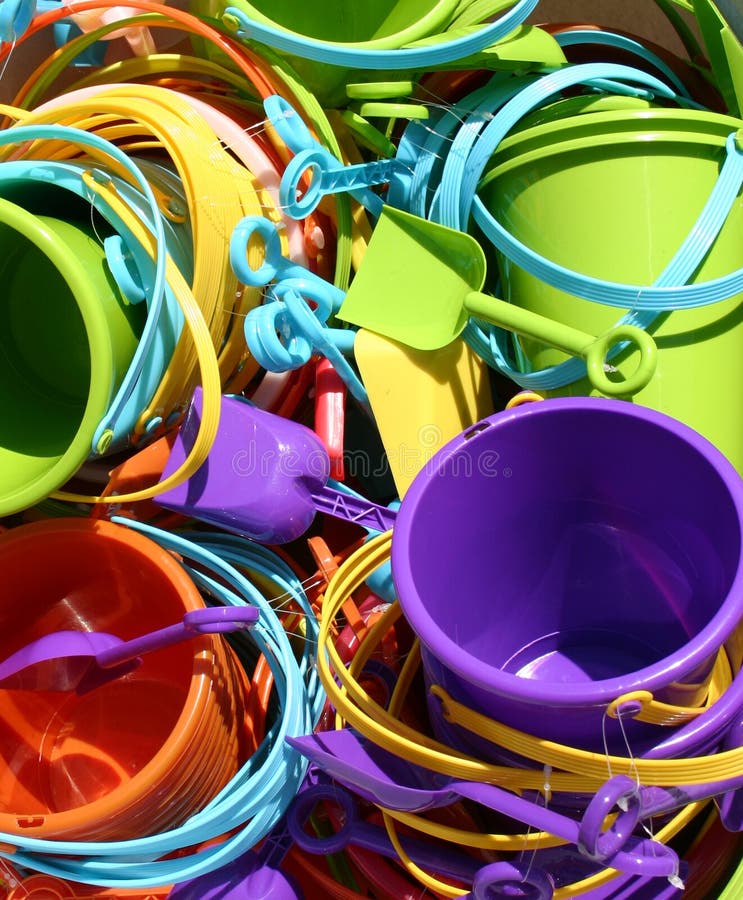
point(66, 341)
point(613, 196)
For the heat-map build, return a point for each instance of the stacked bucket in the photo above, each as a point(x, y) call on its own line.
point(371, 513)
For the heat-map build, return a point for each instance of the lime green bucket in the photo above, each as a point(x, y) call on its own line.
point(613, 196)
point(66, 341)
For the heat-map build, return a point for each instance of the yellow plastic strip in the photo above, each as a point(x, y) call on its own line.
point(665, 834)
point(356, 707)
point(576, 770)
point(219, 190)
point(655, 712)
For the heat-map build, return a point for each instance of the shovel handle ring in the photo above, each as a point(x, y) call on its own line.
point(504, 875)
point(597, 844)
point(597, 352)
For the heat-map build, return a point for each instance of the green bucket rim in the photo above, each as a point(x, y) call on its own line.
point(73, 272)
point(601, 129)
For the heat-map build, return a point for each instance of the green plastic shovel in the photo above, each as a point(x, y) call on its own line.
point(725, 53)
point(420, 282)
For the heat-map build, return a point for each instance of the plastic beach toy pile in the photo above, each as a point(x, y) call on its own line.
point(371, 511)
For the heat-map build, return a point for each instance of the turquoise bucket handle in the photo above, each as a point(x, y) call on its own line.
point(581, 36)
point(413, 57)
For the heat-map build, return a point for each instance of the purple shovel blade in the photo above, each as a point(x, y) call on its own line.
point(82, 660)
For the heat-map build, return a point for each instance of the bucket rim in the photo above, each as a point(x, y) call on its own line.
point(436, 18)
point(100, 386)
point(586, 131)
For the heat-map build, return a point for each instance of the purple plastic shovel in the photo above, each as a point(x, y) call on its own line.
point(266, 477)
point(390, 781)
point(83, 660)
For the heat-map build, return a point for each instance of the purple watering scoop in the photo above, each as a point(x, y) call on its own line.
point(266, 477)
point(390, 781)
point(83, 660)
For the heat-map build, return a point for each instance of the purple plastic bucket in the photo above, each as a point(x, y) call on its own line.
point(557, 556)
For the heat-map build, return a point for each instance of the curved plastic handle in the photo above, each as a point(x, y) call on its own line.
point(272, 339)
point(303, 806)
point(328, 175)
point(501, 878)
point(288, 124)
point(311, 157)
point(598, 352)
point(119, 260)
point(358, 833)
point(275, 266)
point(330, 342)
point(140, 39)
point(606, 38)
point(618, 849)
point(593, 841)
point(274, 263)
point(594, 350)
point(413, 57)
point(221, 619)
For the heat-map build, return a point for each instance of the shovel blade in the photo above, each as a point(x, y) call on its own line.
point(725, 53)
point(413, 281)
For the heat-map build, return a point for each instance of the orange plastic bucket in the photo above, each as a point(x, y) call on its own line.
point(137, 755)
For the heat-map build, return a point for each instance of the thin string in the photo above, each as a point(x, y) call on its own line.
point(606, 745)
point(91, 200)
point(630, 755)
point(547, 790)
point(647, 824)
point(451, 108)
point(10, 54)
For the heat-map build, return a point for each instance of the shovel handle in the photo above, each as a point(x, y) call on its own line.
point(594, 350)
point(210, 620)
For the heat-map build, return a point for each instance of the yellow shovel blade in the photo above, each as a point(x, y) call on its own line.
point(421, 399)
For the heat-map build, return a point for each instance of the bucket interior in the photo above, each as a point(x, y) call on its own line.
point(59, 750)
point(45, 365)
point(66, 340)
point(568, 547)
